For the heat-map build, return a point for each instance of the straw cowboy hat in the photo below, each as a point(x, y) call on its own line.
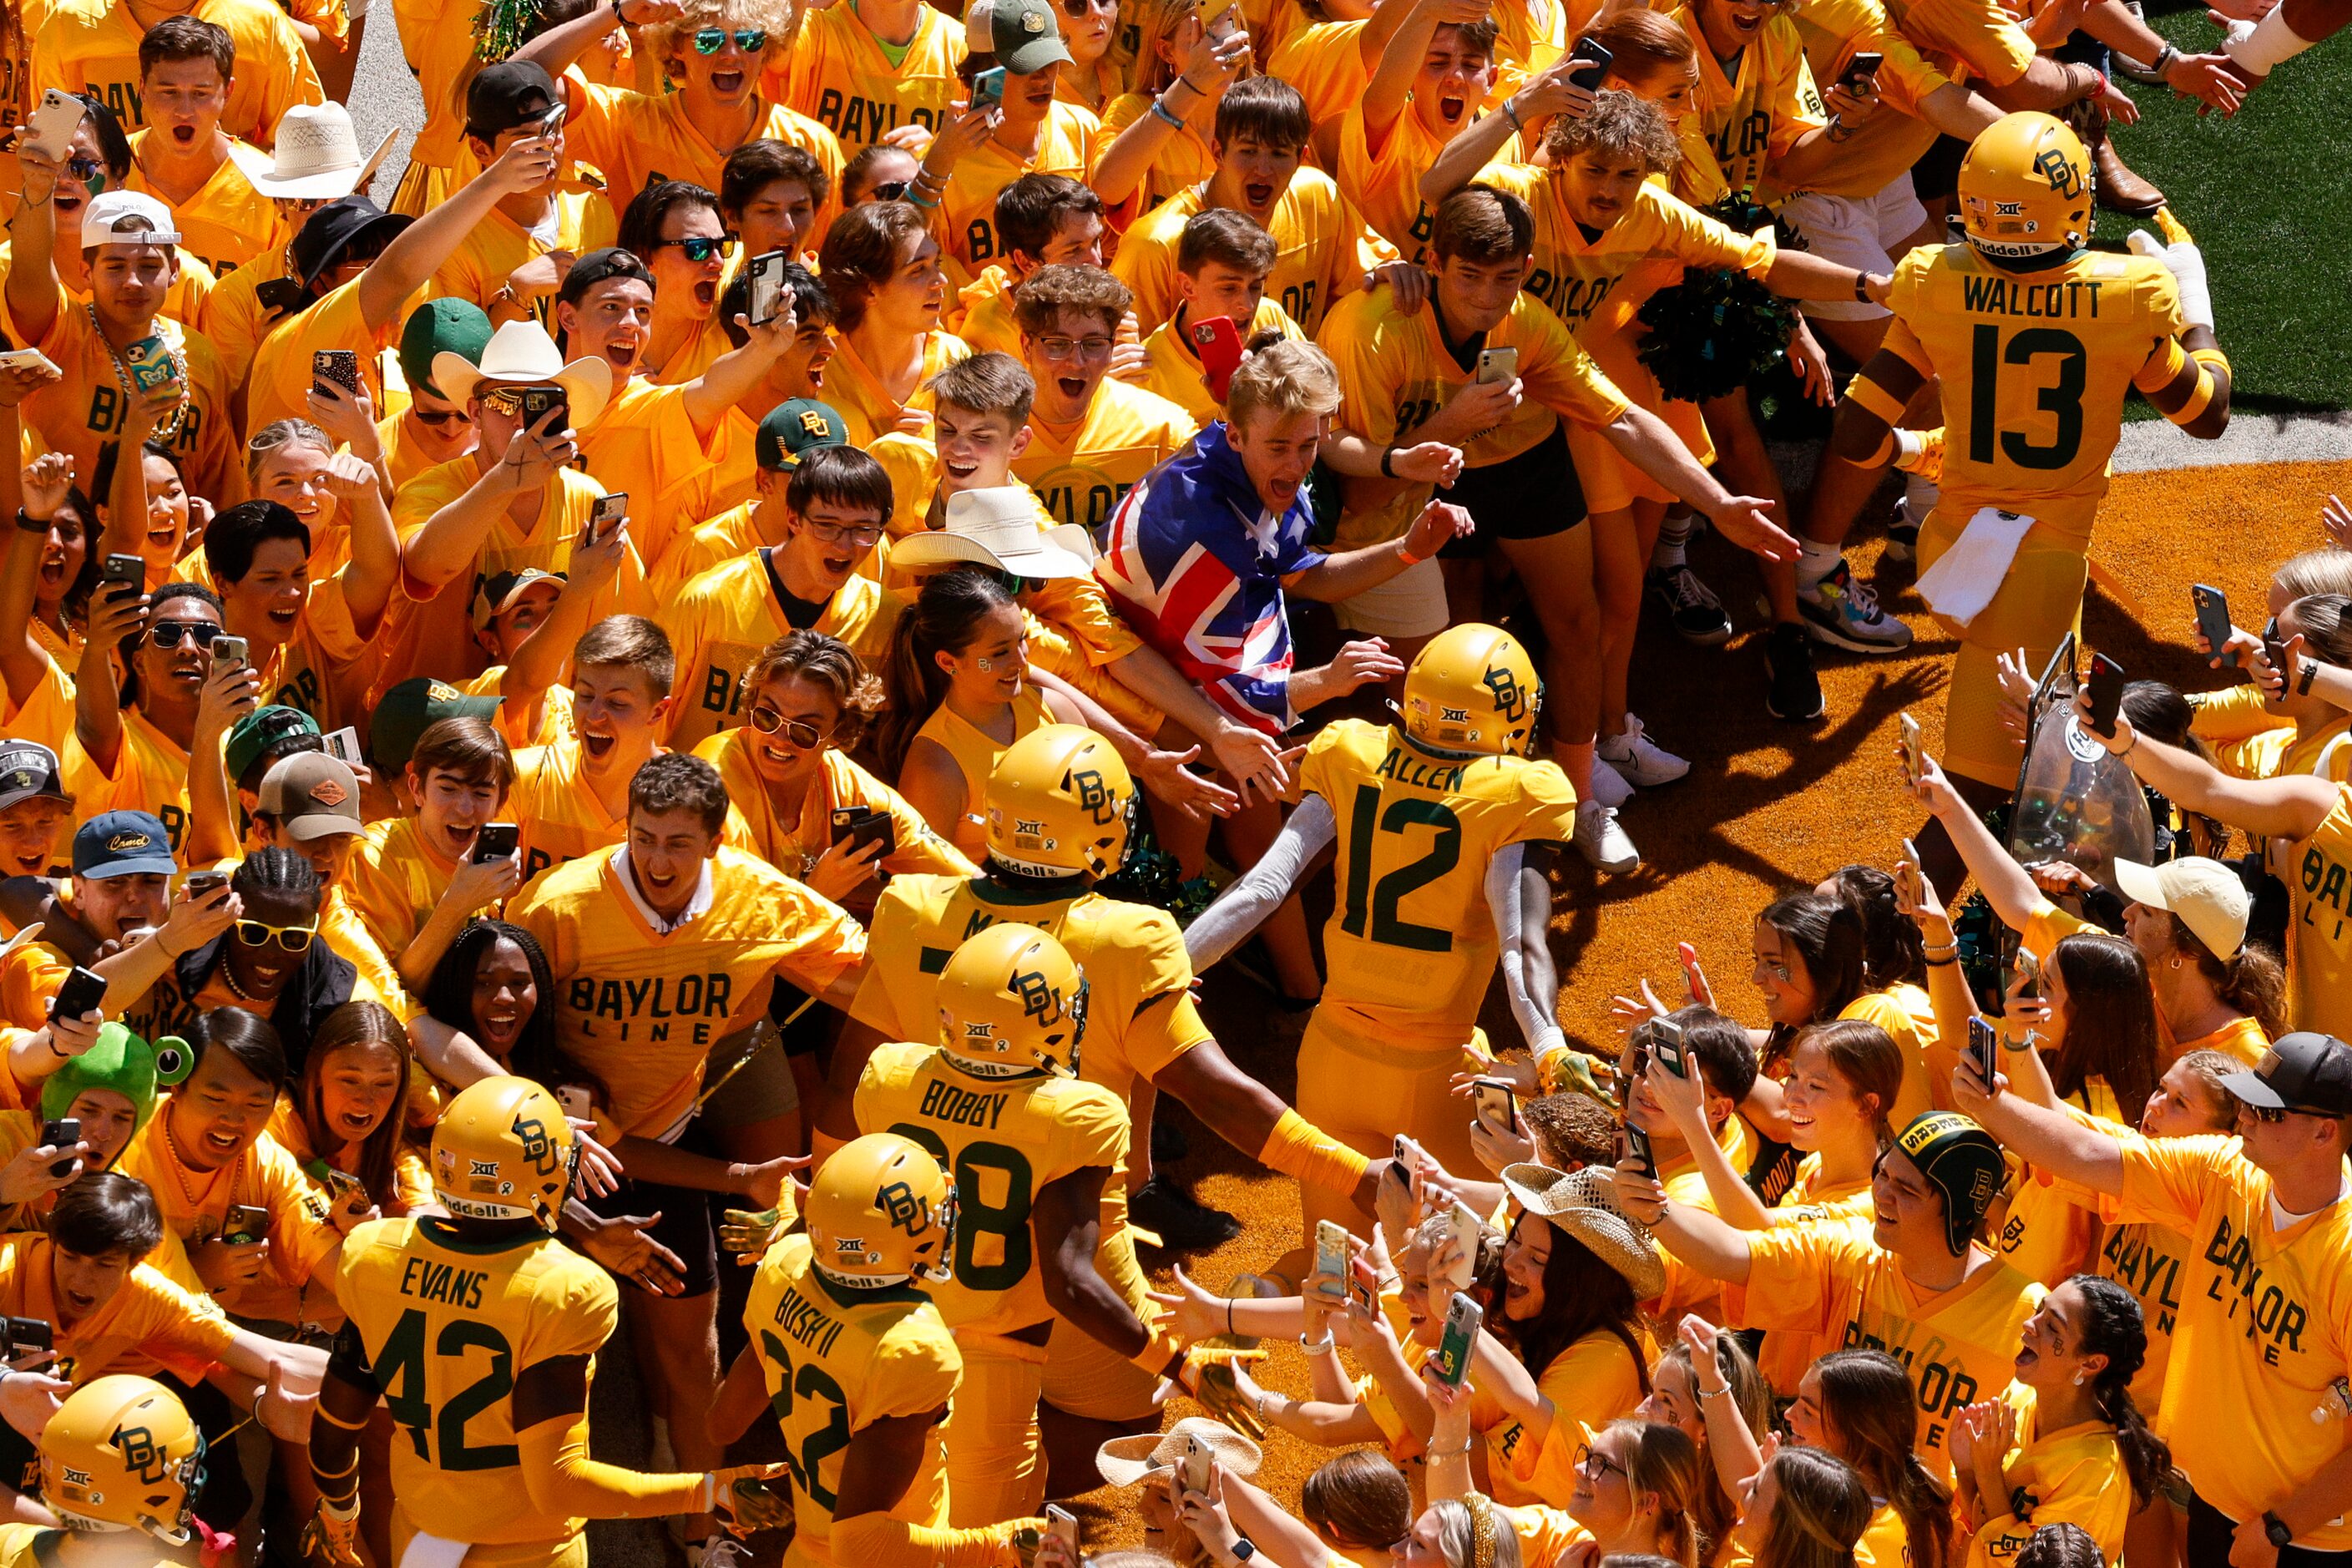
point(521, 354)
point(998, 528)
point(317, 156)
point(1124, 1461)
point(1584, 1204)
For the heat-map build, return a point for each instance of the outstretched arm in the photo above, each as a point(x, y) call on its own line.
point(1244, 906)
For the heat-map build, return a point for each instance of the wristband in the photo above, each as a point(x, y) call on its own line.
point(1511, 113)
point(1161, 109)
point(2164, 60)
point(2268, 44)
point(1861, 287)
point(2310, 671)
point(916, 197)
point(1323, 1346)
point(30, 523)
point(1722, 1393)
point(1406, 554)
point(1388, 467)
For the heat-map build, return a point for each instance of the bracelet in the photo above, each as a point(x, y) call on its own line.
point(1188, 82)
point(1448, 1453)
point(916, 197)
point(1388, 462)
point(1229, 1315)
point(2163, 61)
point(1943, 962)
point(2310, 673)
point(1323, 1346)
point(1840, 132)
point(1407, 556)
point(1722, 1393)
point(30, 523)
point(258, 1396)
point(1161, 109)
point(1511, 113)
point(1862, 287)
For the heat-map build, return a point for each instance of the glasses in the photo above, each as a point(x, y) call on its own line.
point(1076, 10)
point(293, 939)
point(85, 169)
point(1776, 969)
point(1596, 1464)
point(2274, 1114)
point(1081, 348)
point(891, 190)
point(168, 633)
point(799, 731)
point(441, 418)
point(857, 534)
point(702, 247)
point(710, 40)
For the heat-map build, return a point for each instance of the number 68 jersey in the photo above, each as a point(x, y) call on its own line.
point(447, 1328)
point(2036, 366)
point(1411, 943)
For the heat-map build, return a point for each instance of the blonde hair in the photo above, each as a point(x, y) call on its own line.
point(1287, 379)
point(2327, 570)
point(777, 18)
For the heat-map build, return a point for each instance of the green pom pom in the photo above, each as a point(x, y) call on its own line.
point(1717, 329)
point(499, 27)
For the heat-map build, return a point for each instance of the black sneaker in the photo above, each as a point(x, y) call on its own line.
point(1182, 1223)
point(1695, 614)
point(1796, 692)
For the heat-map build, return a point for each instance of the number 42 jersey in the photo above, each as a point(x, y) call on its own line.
point(1411, 943)
point(447, 1328)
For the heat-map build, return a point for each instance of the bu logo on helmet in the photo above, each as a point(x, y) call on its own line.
point(1039, 999)
point(2054, 166)
point(537, 1147)
point(905, 1210)
point(141, 1454)
point(1510, 697)
point(1094, 795)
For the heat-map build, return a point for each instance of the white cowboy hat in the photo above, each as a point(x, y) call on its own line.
point(1124, 1461)
point(1584, 1205)
point(1000, 527)
point(317, 156)
point(521, 354)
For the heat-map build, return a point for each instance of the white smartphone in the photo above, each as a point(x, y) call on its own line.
point(51, 127)
point(1497, 365)
point(1464, 1247)
point(1914, 754)
point(343, 744)
point(26, 358)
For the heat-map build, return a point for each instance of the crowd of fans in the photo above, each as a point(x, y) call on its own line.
point(659, 731)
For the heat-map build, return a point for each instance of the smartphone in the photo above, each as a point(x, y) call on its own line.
point(539, 401)
point(552, 125)
point(1364, 1284)
point(577, 1102)
point(245, 1224)
point(860, 826)
point(988, 87)
point(202, 884)
point(339, 367)
point(1452, 1357)
point(51, 125)
point(82, 992)
point(603, 516)
point(1666, 1046)
point(1637, 1145)
point(2106, 695)
point(1463, 1229)
point(1497, 365)
point(1330, 1259)
point(1494, 1103)
point(1862, 69)
point(1062, 1524)
point(2029, 968)
point(124, 576)
point(2213, 618)
point(1588, 76)
point(1192, 1466)
point(1224, 25)
point(343, 745)
point(61, 1133)
point(1981, 1049)
point(28, 1335)
point(495, 841)
point(229, 653)
point(150, 364)
point(1218, 346)
point(1914, 754)
point(764, 275)
point(26, 359)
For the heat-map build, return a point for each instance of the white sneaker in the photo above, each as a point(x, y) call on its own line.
point(1638, 758)
point(1599, 840)
point(1609, 787)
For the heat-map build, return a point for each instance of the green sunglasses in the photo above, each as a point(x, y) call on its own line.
point(710, 40)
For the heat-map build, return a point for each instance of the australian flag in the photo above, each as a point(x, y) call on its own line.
point(1194, 562)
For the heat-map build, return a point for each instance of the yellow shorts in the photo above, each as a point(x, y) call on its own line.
point(1361, 1088)
point(1085, 1376)
point(992, 1434)
point(2038, 602)
point(570, 1552)
point(1610, 482)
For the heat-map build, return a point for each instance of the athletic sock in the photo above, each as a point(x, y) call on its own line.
point(1673, 535)
point(1815, 560)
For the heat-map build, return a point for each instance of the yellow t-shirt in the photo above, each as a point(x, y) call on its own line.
point(690, 554)
point(280, 383)
point(226, 223)
point(836, 1359)
point(636, 138)
point(1410, 944)
point(1758, 112)
point(792, 847)
point(865, 405)
point(1968, 39)
point(641, 1008)
point(92, 45)
point(582, 221)
point(2248, 742)
point(1172, 370)
point(150, 775)
point(448, 1328)
point(2074, 1476)
point(720, 622)
point(1001, 1139)
point(1383, 182)
point(1833, 1283)
point(1909, 1020)
point(150, 1323)
point(2063, 348)
point(967, 226)
point(559, 815)
point(393, 881)
point(195, 1205)
point(2318, 995)
point(644, 445)
point(234, 320)
point(1322, 250)
point(1590, 1383)
point(838, 74)
point(1885, 145)
point(85, 410)
point(1184, 159)
point(1081, 472)
point(1396, 369)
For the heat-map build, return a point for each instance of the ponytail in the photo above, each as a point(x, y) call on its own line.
point(941, 619)
point(2254, 981)
point(2113, 1327)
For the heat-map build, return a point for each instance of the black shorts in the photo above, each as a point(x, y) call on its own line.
point(1936, 177)
point(1532, 496)
point(687, 1228)
point(2210, 1534)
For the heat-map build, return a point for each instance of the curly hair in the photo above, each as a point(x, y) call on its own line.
point(1622, 124)
point(827, 664)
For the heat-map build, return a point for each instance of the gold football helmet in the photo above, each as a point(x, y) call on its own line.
point(503, 1151)
point(881, 1212)
point(122, 1453)
point(1473, 688)
point(1012, 1001)
point(1059, 802)
point(2025, 189)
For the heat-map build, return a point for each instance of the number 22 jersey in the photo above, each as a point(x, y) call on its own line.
point(837, 1360)
point(449, 1329)
point(1411, 943)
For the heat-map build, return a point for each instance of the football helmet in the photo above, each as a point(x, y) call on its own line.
point(1012, 1001)
point(881, 1212)
point(2025, 189)
point(503, 1151)
point(122, 1453)
point(1060, 801)
point(1473, 688)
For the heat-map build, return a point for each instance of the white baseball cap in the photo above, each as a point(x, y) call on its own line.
point(2208, 895)
point(127, 217)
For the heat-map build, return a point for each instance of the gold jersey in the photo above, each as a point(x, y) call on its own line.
point(1001, 1139)
point(449, 1329)
point(2319, 952)
point(1761, 107)
point(1322, 250)
point(839, 75)
point(837, 1360)
point(1410, 944)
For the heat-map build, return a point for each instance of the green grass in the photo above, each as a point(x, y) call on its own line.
point(2267, 197)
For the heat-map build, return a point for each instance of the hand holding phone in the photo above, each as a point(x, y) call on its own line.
point(245, 1224)
point(2212, 608)
point(1062, 1525)
point(61, 1133)
point(82, 990)
point(1463, 1319)
point(1498, 366)
point(604, 514)
point(1217, 343)
point(988, 88)
point(1598, 60)
point(2107, 696)
point(1331, 1248)
point(1666, 1046)
point(1861, 71)
point(1637, 1146)
point(1914, 752)
point(1495, 1103)
point(1980, 1050)
point(495, 841)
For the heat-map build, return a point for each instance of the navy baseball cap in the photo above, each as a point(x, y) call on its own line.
point(122, 843)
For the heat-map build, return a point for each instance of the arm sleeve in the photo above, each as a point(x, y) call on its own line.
point(565, 1483)
point(886, 1542)
point(1226, 923)
point(1536, 1022)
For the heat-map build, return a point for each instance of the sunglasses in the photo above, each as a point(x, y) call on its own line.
point(293, 939)
point(87, 170)
point(799, 731)
point(1076, 10)
point(2274, 1114)
point(710, 40)
point(891, 190)
point(443, 418)
point(168, 634)
point(702, 247)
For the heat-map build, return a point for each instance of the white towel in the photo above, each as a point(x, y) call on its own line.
point(1964, 578)
point(432, 1552)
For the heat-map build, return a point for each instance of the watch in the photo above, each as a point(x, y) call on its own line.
point(2275, 1527)
point(1244, 1549)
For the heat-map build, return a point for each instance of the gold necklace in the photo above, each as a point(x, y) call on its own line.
point(168, 431)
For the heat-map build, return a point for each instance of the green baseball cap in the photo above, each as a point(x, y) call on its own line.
point(441, 326)
point(1022, 35)
point(254, 734)
point(412, 707)
point(793, 429)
